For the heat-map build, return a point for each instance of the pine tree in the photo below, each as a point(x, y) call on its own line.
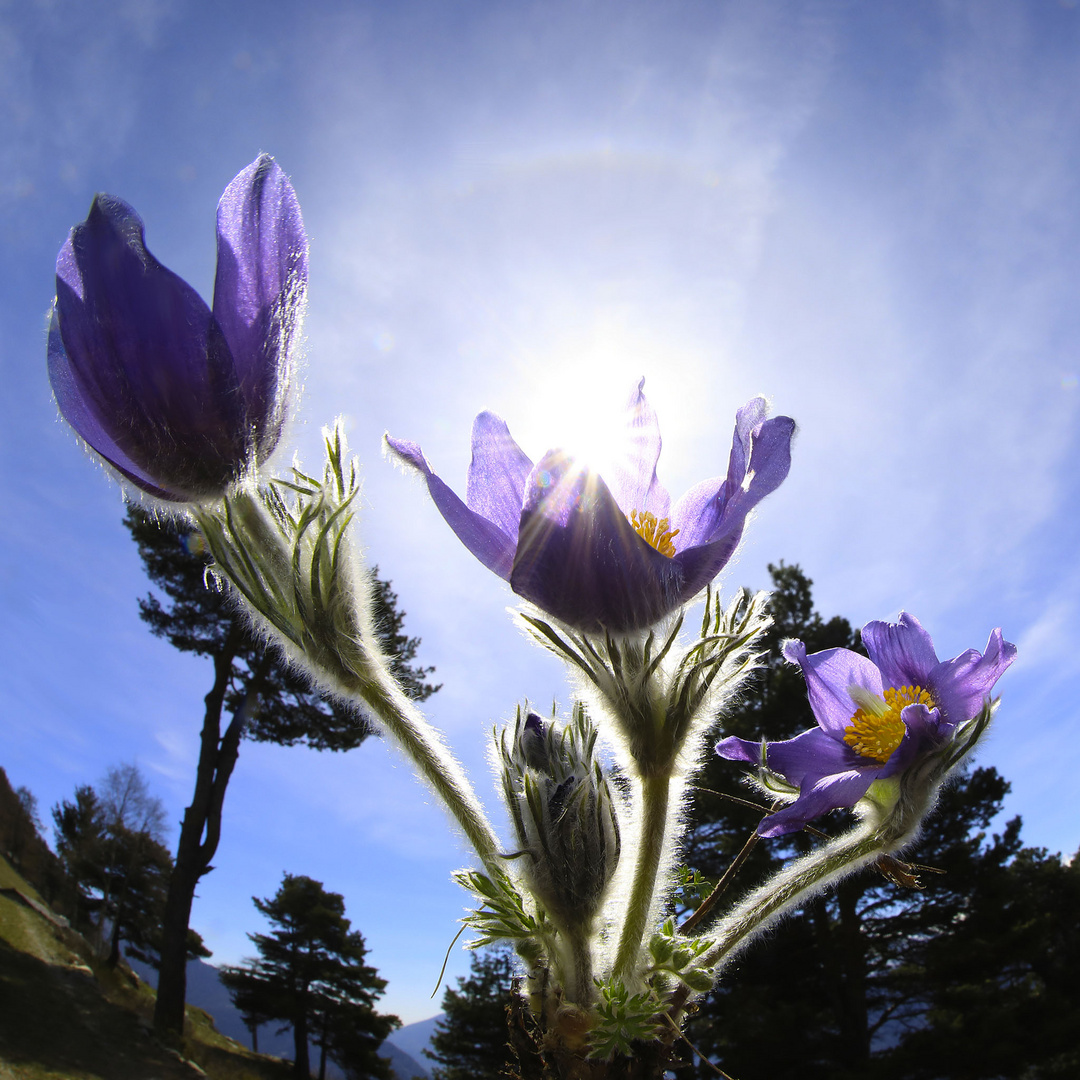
point(110, 841)
point(260, 695)
point(825, 994)
point(1000, 987)
point(310, 974)
point(470, 1040)
point(80, 836)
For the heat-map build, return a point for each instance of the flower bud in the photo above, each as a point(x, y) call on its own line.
point(563, 811)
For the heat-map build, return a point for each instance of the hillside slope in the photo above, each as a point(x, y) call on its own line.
point(66, 1016)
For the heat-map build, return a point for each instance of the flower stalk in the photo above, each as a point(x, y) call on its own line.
point(794, 885)
point(654, 805)
point(284, 549)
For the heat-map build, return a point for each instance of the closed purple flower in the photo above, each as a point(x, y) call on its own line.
point(181, 400)
point(606, 554)
point(876, 717)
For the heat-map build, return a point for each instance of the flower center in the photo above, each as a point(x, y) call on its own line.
point(877, 729)
point(655, 533)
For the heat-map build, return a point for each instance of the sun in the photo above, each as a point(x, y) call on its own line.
point(577, 385)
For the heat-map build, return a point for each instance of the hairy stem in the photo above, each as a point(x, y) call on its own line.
point(580, 989)
point(655, 797)
point(424, 747)
point(793, 886)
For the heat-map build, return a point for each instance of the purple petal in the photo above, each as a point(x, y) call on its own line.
point(498, 473)
point(735, 749)
point(482, 537)
point(961, 686)
point(823, 794)
point(829, 674)
point(146, 357)
point(260, 288)
point(747, 420)
point(579, 559)
point(924, 728)
point(699, 513)
point(902, 651)
point(711, 515)
point(814, 753)
point(633, 481)
point(75, 411)
point(770, 460)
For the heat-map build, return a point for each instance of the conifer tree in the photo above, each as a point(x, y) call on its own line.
point(470, 1040)
point(1000, 988)
point(825, 994)
point(255, 694)
point(310, 974)
point(110, 842)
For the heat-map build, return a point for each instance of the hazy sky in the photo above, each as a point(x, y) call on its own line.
point(868, 212)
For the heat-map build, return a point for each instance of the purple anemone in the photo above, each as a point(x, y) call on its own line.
point(876, 717)
point(179, 399)
point(606, 554)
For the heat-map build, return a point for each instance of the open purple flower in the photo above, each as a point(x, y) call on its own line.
point(611, 555)
point(179, 399)
point(876, 717)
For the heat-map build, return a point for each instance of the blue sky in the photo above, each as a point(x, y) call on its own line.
point(868, 212)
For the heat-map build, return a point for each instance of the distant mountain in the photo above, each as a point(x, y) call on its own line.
point(205, 990)
point(414, 1039)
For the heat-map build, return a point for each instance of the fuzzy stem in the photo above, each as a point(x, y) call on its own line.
point(793, 886)
point(655, 796)
point(434, 762)
point(580, 989)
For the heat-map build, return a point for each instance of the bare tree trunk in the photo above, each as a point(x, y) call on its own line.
point(114, 947)
point(200, 830)
point(301, 1062)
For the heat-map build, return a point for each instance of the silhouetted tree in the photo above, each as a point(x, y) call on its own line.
point(1001, 992)
point(253, 995)
point(470, 1040)
point(833, 986)
point(79, 835)
point(255, 692)
point(111, 842)
point(310, 973)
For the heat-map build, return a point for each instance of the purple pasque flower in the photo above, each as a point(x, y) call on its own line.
point(875, 717)
point(613, 553)
point(179, 399)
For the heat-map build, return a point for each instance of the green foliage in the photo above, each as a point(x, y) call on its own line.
point(691, 888)
point(470, 1040)
point(678, 957)
point(310, 973)
point(109, 840)
point(267, 699)
point(624, 1020)
point(501, 915)
point(1001, 985)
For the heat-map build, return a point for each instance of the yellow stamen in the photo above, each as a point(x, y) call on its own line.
point(656, 534)
point(876, 729)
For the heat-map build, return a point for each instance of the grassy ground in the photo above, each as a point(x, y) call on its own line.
point(66, 1016)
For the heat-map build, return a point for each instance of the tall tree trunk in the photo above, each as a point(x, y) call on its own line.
point(301, 1061)
point(114, 947)
point(842, 946)
point(200, 830)
point(855, 1022)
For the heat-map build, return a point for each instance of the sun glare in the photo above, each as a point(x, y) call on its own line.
point(577, 389)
